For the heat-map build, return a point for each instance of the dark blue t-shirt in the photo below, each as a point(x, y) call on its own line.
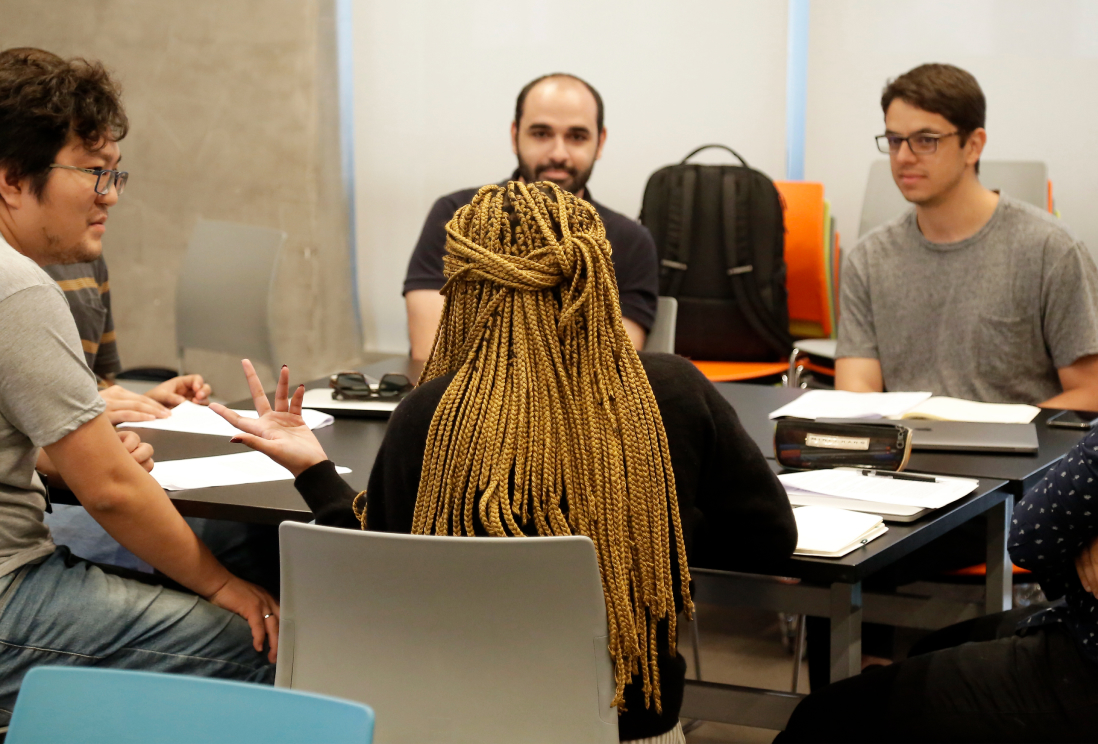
point(632, 250)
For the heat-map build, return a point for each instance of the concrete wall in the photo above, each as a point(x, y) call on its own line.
point(234, 116)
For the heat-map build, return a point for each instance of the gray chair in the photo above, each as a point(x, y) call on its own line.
point(1025, 180)
point(662, 336)
point(450, 639)
point(223, 294)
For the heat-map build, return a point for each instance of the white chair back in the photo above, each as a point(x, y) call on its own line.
point(662, 336)
point(450, 639)
point(223, 294)
point(1025, 180)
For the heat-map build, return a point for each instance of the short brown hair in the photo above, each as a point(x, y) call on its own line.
point(520, 103)
point(944, 90)
point(44, 98)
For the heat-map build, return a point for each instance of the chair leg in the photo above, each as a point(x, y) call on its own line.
point(798, 651)
point(689, 726)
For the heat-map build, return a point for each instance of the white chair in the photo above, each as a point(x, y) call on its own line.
point(662, 336)
point(223, 294)
point(450, 639)
point(1025, 180)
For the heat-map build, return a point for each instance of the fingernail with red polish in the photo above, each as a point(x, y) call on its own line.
point(236, 440)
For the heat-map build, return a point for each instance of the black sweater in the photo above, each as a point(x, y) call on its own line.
point(735, 514)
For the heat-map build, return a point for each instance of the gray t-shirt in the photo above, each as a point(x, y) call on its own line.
point(990, 318)
point(46, 392)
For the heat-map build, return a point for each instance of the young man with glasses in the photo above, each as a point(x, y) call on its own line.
point(972, 294)
point(557, 135)
point(59, 133)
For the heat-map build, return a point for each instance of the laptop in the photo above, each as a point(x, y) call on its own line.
point(964, 436)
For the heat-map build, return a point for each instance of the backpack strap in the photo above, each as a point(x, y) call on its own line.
point(740, 272)
point(680, 213)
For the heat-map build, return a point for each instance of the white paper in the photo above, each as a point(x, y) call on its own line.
point(191, 418)
point(800, 498)
point(822, 530)
point(817, 404)
point(322, 398)
point(957, 409)
point(222, 470)
point(849, 483)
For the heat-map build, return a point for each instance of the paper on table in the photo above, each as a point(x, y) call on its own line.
point(801, 498)
point(832, 533)
point(849, 483)
point(843, 404)
point(222, 470)
point(191, 418)
point(941, 408)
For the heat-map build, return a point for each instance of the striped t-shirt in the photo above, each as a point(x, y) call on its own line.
point(88, 291)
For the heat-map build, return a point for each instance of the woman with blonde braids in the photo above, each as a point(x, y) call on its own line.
point(535, 416)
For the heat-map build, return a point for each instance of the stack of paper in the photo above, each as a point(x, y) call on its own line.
point(850, 488)
point(322, 398)
point(191, 418)
point(841, 404)
point(832, 533)
point(222, 470)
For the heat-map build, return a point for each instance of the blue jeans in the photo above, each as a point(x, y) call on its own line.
point(66, 611)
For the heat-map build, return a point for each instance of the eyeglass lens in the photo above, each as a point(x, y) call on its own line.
point(103, 182)
point(920, 144)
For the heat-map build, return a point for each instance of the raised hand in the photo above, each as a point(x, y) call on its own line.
point(279, 432)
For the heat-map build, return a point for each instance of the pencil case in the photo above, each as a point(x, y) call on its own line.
point(808, 445)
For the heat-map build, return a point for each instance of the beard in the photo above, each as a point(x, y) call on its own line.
point(575, 182)
point(83, 251)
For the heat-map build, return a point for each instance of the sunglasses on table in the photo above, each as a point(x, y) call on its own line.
point(357, 386)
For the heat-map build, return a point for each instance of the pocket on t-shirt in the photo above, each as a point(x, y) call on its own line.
point(1009, 350)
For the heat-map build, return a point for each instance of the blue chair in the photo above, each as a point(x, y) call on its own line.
point(58, 705)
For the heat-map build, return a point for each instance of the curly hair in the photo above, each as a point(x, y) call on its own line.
point(43, 100)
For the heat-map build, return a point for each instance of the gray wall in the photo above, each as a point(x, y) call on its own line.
point(234, 116)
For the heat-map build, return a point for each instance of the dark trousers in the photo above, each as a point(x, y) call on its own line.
point(1018, 688)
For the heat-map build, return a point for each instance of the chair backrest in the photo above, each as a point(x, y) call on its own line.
point(1025, 180)
point(223, 293)
point(806, 258)
point(450, 639)
point(662, 336)
point(112, 706)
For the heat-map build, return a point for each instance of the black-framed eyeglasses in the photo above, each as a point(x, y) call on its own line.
point(103, 178)
point(357, 386)
point(920, 144)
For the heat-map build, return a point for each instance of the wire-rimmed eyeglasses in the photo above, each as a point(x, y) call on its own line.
point(920, 144)
point(103, 178)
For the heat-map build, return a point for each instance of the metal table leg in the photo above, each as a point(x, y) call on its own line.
point(846, 630)
point(999, 586)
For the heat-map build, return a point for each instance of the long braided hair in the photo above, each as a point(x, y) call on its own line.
point(550, 418)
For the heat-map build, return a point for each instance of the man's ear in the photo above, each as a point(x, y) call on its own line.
point(514, 137)
point(12, 192)
point(602, 141)
point(974, 147)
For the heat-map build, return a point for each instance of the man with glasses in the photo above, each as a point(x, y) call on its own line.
point(972, 294)
point(54, 607)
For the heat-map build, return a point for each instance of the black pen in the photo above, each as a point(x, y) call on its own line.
point(901, 476)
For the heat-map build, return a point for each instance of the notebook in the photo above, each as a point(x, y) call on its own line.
point(895, 499)
point(321, 399)
point(825, 532)
point(843, 404)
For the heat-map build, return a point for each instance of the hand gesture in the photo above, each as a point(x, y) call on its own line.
point(279, 433)
point(256, 606)
point(140, 451)
point(1086, 564)
point(124, 405)
point(178, 389)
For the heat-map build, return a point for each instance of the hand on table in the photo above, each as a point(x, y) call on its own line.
point(1086, 564)
point(140, 451)
point(125, 405)
point(280, 433)
point(178, 389)
point(255, 605)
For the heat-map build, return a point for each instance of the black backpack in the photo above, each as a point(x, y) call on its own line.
point(720, 237)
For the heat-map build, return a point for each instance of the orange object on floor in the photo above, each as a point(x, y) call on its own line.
point(980, 570)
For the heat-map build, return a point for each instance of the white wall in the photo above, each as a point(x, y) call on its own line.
point(1037, 63)
point(435, 85)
